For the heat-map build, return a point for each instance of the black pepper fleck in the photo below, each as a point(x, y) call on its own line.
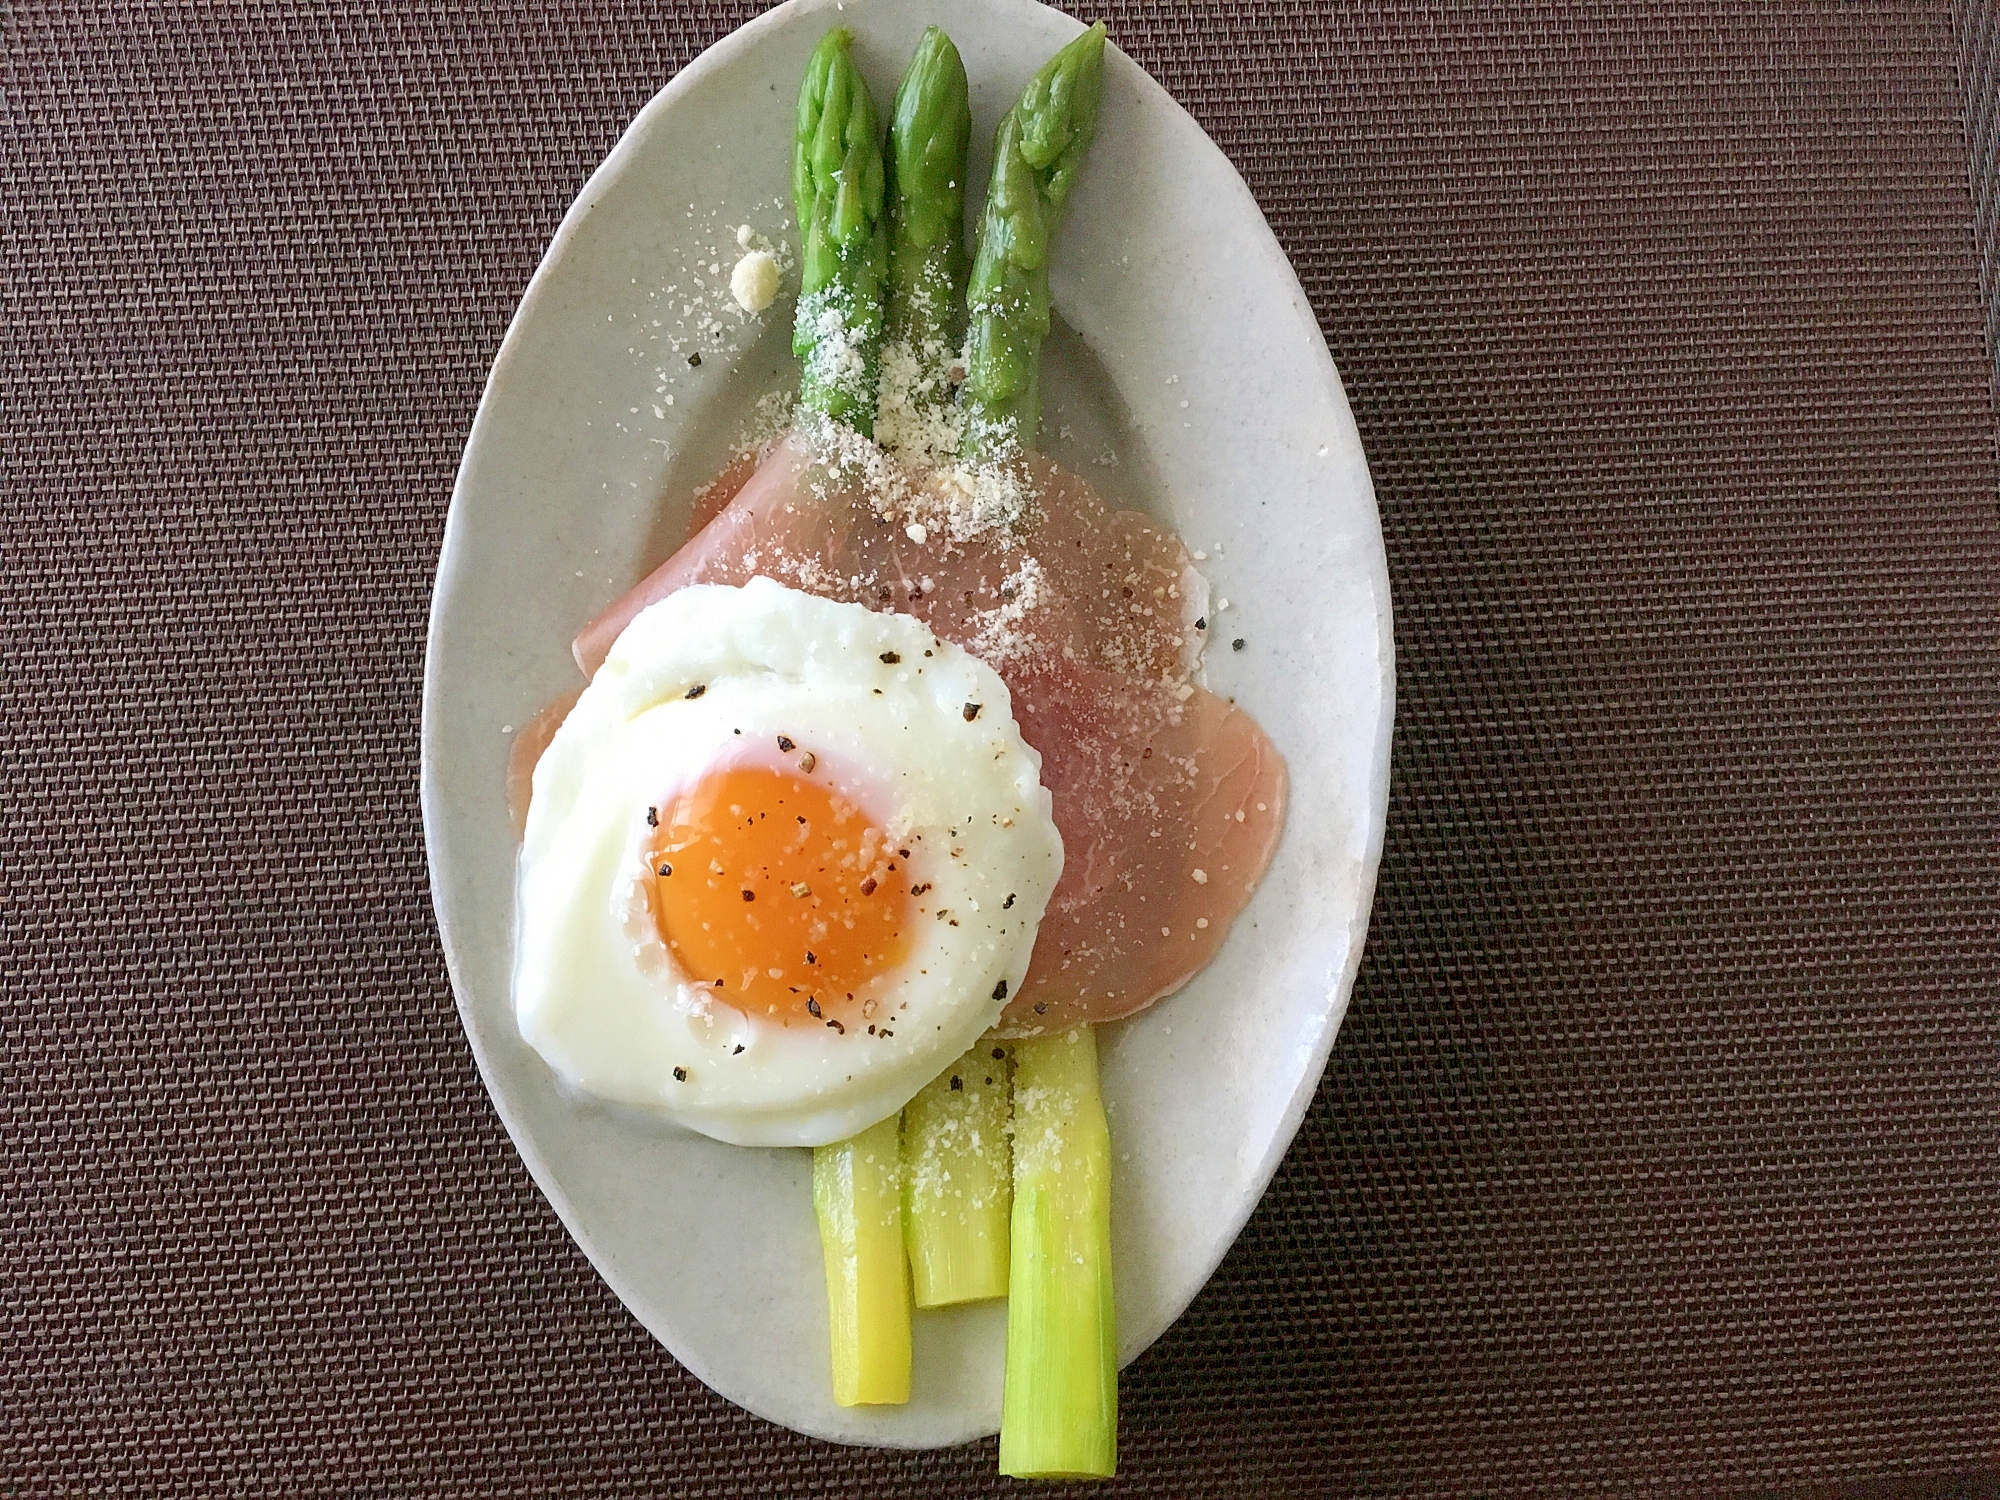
point(652, 817)
point(749, 895)
point(812, 1006)
point(868, 886)
point(785, 742)
point(999, 1053)
point(1202, 623)
point(1041, 1007)
point(1237, 644)
point(972, 711)
point(680, 1075)
point(890, 658)
point(838, 1027)
point(697, 690)
point(1008, 904)
point(666, 869)
point(1000, 993)
point(694, 362)
point(739, 1049)
point(957, 1083)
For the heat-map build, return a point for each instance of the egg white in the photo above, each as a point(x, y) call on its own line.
point(595, 991)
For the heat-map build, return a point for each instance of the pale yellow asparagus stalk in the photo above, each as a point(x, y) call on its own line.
point(958, 1188)
point(1059, 1404)
point(857, 1194)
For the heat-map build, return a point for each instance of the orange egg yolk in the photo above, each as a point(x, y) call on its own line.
point(781, 895)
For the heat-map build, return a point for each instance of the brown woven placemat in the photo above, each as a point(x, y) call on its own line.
point(1661, 1151)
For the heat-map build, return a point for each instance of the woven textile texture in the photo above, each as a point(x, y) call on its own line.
point(1660, 1153)
point(1978, 25)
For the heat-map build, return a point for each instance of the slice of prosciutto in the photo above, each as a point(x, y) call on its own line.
point(1169, 809)
point(1169, 799)
point(1049, 569)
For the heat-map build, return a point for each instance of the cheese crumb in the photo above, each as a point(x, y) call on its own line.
point(1201, 877)
point(754, 282)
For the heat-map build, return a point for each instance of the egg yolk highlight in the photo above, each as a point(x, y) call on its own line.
point(781, 889)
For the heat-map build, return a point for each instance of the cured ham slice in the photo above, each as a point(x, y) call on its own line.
point(1049, 569)
point(1169, 799)
point(713, 498)
point(1169, 809)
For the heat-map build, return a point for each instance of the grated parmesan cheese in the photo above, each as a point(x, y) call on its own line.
point(916, 415)
point(952, 502)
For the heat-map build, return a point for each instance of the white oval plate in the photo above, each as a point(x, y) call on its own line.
point(1190, 348)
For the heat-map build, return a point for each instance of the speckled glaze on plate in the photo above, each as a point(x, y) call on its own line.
point(1185, 347)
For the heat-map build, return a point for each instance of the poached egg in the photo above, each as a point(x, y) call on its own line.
point(784, 861)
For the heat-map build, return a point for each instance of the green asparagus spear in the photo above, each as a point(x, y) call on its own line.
point(1059, 1399)
point(958, 1186)
point(1037, 153)
point(837, 188)
point(930, 130)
